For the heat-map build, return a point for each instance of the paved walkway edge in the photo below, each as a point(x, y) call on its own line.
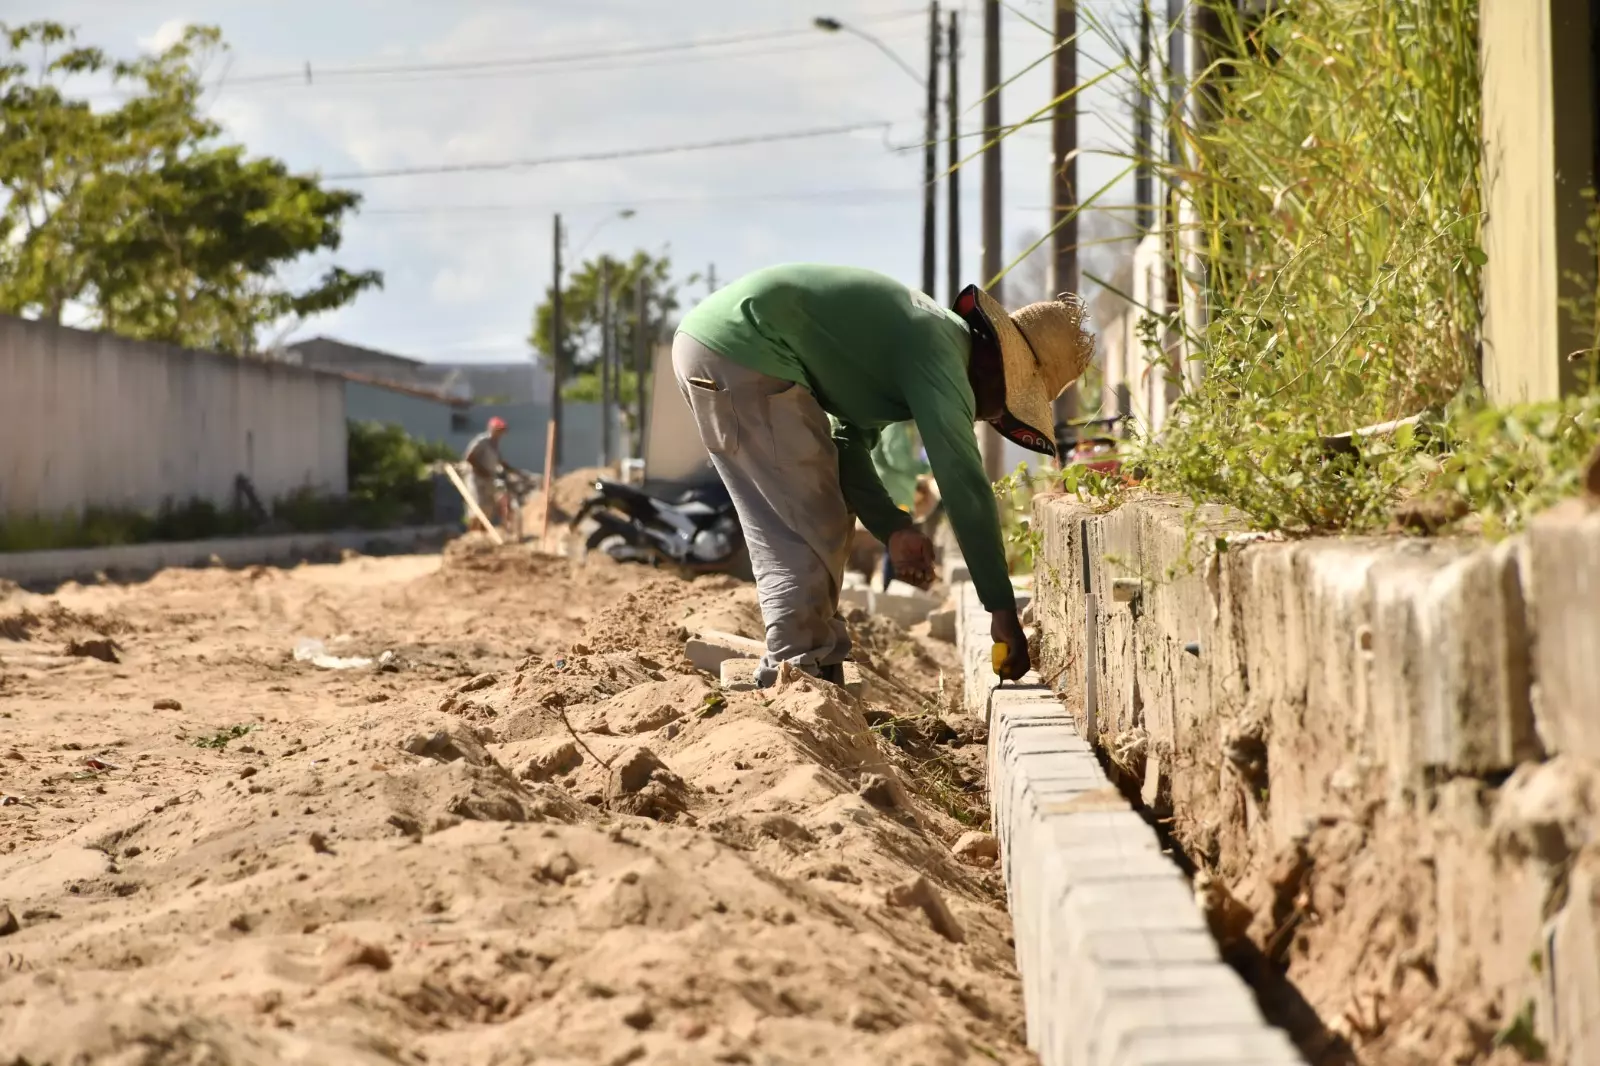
point(1118, 967)
point(45, 566)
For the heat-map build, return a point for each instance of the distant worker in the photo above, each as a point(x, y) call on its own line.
point(899, 467)
point(764, 362)
point(485, 464)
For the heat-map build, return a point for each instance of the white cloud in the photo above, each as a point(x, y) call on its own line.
point(165, 36)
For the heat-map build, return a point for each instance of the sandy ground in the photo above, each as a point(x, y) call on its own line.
point(534, 835)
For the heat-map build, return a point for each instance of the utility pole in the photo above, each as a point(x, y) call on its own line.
point(557, 343)
point(930, 160)
point(641, 356)
point(953, 189)
point(989, 440)
point(606, 392)
point(1064, 190)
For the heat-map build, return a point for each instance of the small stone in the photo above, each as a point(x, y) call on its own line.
point(98, 648)
point(920, 893)
point(239, 923)
point(8, 922)
point(319, 844)
point(132, 851)
point(977, 849)
point(167, 703)
point(249, 771)
point(639, 1016)
point(349, 954)
point(558, 868)
point(882, 792)
point(482, 681)
point(556, 762)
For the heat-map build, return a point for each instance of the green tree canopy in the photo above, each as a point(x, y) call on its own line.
point(139, 214)
point(582, 316)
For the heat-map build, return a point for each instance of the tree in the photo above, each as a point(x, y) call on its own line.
point(139, 215)
point(582, 316)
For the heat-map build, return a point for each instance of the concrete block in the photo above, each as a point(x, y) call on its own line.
point(1562, 558)
point(942, 624)
point(708, 649)
point(1478, 711)
point(905, 608)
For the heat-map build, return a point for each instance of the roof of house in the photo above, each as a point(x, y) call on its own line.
point(409, 390)
point(328, 347)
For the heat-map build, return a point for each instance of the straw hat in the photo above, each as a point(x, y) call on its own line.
point(1043, 349)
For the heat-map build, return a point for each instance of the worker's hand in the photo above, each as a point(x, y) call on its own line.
point(911, 552)
point(1005, 628)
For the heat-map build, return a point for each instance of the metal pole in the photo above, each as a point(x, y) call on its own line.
point(990, 441)
point(605, 362)
point(1064, 195)
point(557, 358)
point(930, 160)
point(953, 189)
point(641, 351)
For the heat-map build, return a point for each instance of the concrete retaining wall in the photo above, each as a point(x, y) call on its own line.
point(1118, 966)
point(43, 567)
point(94, 420)
point(1419, 718)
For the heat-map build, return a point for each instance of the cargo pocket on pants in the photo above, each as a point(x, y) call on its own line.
point(714, 416)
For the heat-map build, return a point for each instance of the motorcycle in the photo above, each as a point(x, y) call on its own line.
point(697, 530)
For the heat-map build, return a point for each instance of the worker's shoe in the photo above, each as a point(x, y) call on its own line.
point(833, 674)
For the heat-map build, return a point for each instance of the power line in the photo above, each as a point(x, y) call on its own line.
point(613, 154)
point(863, 194)
point(563, 58)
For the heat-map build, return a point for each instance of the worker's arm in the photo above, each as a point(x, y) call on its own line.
point(943, 410)
point(863, 489)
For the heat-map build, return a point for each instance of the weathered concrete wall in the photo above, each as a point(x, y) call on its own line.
point(1388, 711)
point(90, 419)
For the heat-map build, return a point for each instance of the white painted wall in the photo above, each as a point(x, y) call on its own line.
point(91, 419)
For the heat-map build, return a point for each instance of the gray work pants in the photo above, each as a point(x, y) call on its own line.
point(771, 443)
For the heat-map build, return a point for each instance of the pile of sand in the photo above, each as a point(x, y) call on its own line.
point(536, 835)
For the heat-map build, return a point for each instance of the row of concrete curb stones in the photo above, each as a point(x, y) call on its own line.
point(1118, 967)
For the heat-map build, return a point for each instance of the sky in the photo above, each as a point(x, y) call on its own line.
point(466, 254)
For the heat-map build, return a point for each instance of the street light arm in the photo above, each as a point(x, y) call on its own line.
point(833, 25)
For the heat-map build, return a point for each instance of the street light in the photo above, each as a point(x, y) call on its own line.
point(833, 25)
point(625, 213)
point(930, 86)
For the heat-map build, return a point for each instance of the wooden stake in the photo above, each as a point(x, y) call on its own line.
point(549, 478)
point(472, 504)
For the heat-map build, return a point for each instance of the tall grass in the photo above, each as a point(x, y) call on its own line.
point(1333, 193)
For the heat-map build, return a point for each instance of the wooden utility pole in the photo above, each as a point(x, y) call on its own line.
point(1064, 191)
point(989, 440)
point(930, 160)
point(607, 392)
point(557, 359)
point(641, 354)
point(953, 189)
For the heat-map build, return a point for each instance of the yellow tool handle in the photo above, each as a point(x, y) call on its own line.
point(997, 659)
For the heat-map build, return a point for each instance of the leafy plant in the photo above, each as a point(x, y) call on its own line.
point(138, 213)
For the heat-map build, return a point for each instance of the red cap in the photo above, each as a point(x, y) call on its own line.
point(496, 423)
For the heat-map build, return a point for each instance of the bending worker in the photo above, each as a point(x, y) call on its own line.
point(765, 361)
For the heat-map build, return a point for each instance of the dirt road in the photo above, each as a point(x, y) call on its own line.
point(531, 834)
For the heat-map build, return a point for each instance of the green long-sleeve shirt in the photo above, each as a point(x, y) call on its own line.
point(873, 352)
